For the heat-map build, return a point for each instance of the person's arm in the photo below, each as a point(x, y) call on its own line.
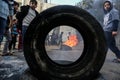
point(11, 7)
point(115, 27)
point(11, 11)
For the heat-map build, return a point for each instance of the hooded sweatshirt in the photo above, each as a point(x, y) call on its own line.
point(111, 19)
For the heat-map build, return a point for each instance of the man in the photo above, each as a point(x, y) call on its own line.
point(6, 9)
point(27, 14)
point(7, 49)
point(8, 31)
point(111, 20)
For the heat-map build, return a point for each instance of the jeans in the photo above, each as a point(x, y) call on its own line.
point(3, 23)
point(112, 43)
point(12, 43)
point(24, 28)
point(8, 40)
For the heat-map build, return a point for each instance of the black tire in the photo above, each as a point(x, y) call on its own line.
point(94, 53)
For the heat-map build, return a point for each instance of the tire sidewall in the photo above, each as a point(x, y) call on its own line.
point(94, 51)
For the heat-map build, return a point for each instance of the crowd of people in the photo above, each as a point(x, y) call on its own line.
point(14, 21)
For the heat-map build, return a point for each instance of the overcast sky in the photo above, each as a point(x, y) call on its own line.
point(64, 2)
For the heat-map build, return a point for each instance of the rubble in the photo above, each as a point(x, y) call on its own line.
point(11, 67)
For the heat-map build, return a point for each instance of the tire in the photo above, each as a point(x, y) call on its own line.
point(94, 53)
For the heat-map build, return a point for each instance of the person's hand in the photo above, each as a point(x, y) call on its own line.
point(114, 33)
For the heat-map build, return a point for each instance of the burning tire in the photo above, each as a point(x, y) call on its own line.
point(93, 55)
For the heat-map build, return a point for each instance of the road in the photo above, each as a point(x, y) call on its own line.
point(15, 68)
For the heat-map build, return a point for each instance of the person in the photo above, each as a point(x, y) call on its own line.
point(16, 7)
point(69, 33)
point(26, 15)
point(54, 38)
point(61, 38)
point(14, 33)
point(48, 40)
point(110, 25)
point(6, 9)
point(7, 35)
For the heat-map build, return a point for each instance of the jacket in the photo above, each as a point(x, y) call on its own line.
point(21, 15)
point(111, 20)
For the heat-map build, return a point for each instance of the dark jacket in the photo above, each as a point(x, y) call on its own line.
point(21, 15)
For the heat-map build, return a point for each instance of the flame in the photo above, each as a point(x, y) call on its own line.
point(72, 41)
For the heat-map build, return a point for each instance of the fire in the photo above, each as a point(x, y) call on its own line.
point(72, 41)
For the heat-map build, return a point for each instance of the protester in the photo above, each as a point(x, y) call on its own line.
point(6, 9)
point(61, 38)
point(111, 20)
point(69, 33)
point(7, 35)
point(14, 33)
point(27, 14)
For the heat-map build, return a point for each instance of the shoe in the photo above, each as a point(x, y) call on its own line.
point(116, 61)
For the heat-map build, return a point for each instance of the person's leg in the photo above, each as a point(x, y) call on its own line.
point(5, 49)
point(112, 44)
point(20, 41)
point(14, 41)
point(114, 48)
point(2, 28)
point(24, 28)
point(10, 45)
point(8, 40)
point(5, 46)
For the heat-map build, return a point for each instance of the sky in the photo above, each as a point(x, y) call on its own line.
point(64, 2)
